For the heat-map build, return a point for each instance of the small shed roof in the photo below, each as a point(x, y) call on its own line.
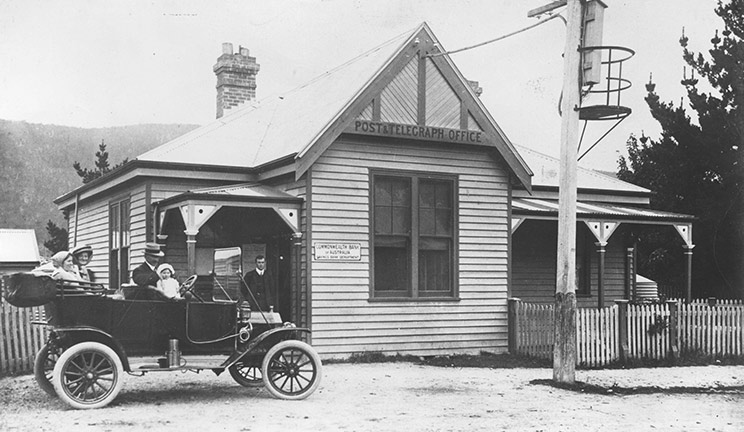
point(18, 246)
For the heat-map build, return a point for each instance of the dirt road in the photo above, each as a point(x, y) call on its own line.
point(399, 397)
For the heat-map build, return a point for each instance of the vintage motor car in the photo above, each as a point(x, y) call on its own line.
point(95, 335)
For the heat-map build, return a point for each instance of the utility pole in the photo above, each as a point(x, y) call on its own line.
point(564, 348)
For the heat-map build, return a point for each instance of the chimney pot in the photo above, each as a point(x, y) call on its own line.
point(236, 78)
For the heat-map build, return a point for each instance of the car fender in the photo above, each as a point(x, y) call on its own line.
point(267, 338)
point(73, 335)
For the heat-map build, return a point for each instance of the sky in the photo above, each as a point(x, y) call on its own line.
point(89, 63)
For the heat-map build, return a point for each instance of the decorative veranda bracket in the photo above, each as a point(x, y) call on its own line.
point(195, 216)
point(685, 231)
point(291, 216)
point(602, 230)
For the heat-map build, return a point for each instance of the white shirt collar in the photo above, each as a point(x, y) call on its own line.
point(260, 272)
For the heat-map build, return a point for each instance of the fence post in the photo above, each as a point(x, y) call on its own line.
point(513, 325)
point(622, 331)
point(673, 328)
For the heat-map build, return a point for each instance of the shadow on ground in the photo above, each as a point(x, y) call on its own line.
point(615, 390)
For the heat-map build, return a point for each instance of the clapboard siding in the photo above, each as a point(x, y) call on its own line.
point(344, 320)
point(534, 266)
point(92, 229)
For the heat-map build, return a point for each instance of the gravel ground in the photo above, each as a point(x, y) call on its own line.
point(401, 397)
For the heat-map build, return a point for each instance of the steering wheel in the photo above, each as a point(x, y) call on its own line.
point(188, 287)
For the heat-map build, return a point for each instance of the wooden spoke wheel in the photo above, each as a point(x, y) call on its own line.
point(88, 375)
point(245, 375)
point(291, 370)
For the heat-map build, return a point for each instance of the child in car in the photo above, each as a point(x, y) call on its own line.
point(168, 284)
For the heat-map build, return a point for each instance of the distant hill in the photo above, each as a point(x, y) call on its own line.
point(36, 164)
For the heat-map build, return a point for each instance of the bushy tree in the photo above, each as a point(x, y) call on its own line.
point(102, 165)
point(58, 239)
point(696, 167)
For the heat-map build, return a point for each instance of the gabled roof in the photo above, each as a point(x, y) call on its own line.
point(18, 246)
point(277, 126)
point(545, 173)
point(302, 123)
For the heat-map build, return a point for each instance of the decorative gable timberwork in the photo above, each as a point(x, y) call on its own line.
point(418, 94)
point(399, 99)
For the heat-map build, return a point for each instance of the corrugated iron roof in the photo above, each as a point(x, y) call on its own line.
point(248, 190)
point(18, 246)
point(278, 126)
point(532, 206)
point(545, 173)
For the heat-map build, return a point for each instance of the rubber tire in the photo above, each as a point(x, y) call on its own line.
point(41, 373)
point(73, 356)
point(235, 372)
point(279, 350)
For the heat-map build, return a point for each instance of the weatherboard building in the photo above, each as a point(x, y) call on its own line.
point(395, 214)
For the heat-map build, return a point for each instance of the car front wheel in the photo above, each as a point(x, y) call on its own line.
point(291, 370)
point(88, 375)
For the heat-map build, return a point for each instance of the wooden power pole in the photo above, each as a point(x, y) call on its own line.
point(564, 351)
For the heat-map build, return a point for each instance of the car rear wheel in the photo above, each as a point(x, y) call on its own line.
point(44, 367)
point(291, 370)
point(247, 376)
point(88, 375)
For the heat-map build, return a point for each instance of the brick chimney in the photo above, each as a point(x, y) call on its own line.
point(236, 78)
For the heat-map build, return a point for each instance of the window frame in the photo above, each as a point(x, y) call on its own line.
point(119, 251)
point(412, 292)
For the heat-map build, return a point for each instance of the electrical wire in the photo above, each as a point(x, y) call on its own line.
point(542, 21)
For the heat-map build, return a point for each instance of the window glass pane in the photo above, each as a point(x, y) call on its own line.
point(125, 223)
point(391, 269)
point(114, 270)
point(401, 220)
point(427, 195)
point(426, 221)
point(124, 257)
point(383, 220)
point(383, 192)
point(444, 222)
point(401, 193)
point(444, 195)
point(583, 261)
point(435, 267)
point(114, 226)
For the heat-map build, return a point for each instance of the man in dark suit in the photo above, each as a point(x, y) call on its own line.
point(144, 275)
point(261, 285)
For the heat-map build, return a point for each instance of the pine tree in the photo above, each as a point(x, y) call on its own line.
point(102, 165)
point(58, 239)
point(696, 167)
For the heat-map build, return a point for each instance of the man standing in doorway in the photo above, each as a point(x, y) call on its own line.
point(261, 284)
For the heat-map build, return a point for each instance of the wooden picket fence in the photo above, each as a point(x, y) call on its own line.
point(632, 331)
point(716, 331)
point(19, 339)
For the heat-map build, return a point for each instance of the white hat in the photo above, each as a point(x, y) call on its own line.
point(162, 267)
